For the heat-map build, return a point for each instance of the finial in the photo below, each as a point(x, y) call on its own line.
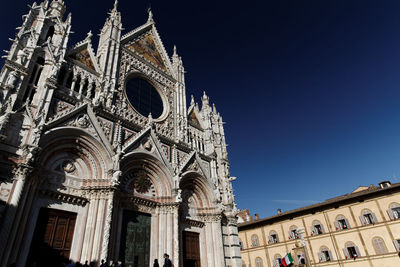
point(115, 5)
point(204, 94)
point(150, 19)
point(214, 109)
point(150, 119)
point(192, 101)
point(89, 35)
point(175, 50)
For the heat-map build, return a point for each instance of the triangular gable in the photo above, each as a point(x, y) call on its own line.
point(81, 117)
point(146, 140)
point(82, 54)
point(146, 42)
point(193, 164)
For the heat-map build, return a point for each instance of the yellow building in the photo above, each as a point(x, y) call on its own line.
point(357, 229)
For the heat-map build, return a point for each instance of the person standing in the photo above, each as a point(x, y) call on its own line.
point(156, 263)
point(167, 261)
point(103, 264)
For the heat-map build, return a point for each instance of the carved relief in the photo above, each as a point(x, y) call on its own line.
point(194, 166)
point(58, 106)
point(107, 127)
point(128, 135)
point(83, 121)
point(68, 166)
point(166, 151)
point(139, 181)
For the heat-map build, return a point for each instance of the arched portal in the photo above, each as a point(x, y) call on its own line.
point(200, 222)
point(70, 206)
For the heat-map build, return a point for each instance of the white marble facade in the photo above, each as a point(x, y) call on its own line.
point(72, 141)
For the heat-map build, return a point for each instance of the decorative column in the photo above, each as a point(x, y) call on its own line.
point(71, 90)
point(219, 247)
point(232, 241)
point(81, 89)
point(107, 226)
point(7, 231)
point(176, 234)
point(89, 91)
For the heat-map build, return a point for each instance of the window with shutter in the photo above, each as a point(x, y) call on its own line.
point(351, 250)
point(277, 260)
point(347, 224)
point(396, 213)
point(367, 217)
point(274, 238)
point(254, 241)
point(343, 224)
point(346, 253)
point(358, 253)
point(324, 254)
point(259, 262)
point(317, 228)
point(293, 232)
point(379, 245)
point(396, 243)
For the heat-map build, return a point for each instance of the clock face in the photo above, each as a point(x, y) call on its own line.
point(144, 97)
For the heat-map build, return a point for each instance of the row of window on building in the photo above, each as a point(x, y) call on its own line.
point(341, 223)
point(350, 251)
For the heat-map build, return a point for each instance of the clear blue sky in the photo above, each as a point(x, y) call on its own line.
point(309, 90)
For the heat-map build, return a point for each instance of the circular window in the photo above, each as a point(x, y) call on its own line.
point(144, 97)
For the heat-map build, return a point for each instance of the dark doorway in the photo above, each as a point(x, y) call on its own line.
point(135, 239)
point(191, 249)
point(52, 240)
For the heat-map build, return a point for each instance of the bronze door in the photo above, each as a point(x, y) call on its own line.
point(191, 249)
point(135, 239)
point(52, 240)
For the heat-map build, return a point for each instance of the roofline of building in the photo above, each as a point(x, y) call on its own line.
point(330, 203)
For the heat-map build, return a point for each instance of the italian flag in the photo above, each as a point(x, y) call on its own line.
point(287, 260)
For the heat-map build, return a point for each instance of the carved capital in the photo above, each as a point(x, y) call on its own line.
point(21, 171)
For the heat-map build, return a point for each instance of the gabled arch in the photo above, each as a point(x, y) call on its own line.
point(76, 153)
point(155, 170)
point(201, 188)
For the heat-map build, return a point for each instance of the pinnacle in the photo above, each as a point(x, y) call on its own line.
point(89, 35)
point(150, 19)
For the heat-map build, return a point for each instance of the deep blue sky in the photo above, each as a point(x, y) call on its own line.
point(309, 90)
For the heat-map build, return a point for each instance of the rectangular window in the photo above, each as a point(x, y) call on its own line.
point(352, 252)
point(326, 255)
point(368, 218)
point(274, 239)
point(343, 224)
point(318, 229)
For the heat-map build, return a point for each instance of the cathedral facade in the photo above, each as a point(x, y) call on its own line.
point(100, 155)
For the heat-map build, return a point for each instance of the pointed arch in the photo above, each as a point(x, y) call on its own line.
point(155, 171)
point(202, 196)
point(75, 153)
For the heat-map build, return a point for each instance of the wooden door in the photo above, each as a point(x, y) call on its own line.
point(51, 244)
point(191, 249)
